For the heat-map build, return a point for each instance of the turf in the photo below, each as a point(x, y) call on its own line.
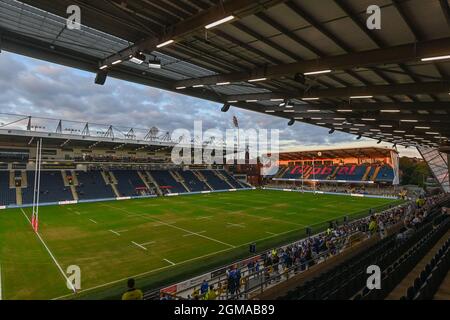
point(156, 240)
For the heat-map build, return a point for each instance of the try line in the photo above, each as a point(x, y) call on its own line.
point(51, 255)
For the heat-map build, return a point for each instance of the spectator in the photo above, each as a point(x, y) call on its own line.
point(204, 287)
point(132, 293)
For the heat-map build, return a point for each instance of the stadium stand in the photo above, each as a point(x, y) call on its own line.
point(395, 254)
point(167, 182)
point(192, 181)
point(127, 182)
point(7, 195)
point(92, 186)
point(214, 181)
point(52, 188)
point(331, 172)
point(232, 180)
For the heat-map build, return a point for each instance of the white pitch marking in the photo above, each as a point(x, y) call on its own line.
point(51, 255)
point(140, 246)
point(273, 234)
point(93, 221)
point(173, 226)
point(121, 231)
point(147, 243)
point(235, 225)
point(191, 234)
point(204, 218)
point(115, 232)
point(169, 262)
point(1, 297)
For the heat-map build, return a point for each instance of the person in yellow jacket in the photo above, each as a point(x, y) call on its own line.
point(211, 294)
point(132, 293)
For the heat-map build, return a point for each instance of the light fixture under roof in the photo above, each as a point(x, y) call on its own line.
point(399, 131)
point(316, 72)
point(222, 83)
point(180, 88)
point(276, 100)
point(312, 110)
point(344, 110)
point(116, 62)
point(155, 63)
point(269, 111)
point(103, 67)
point(252, 100)
point(409, 120)
point(316, 118)
point(361, 97)
point(390, 111)
point(198, 86)
point(257, 80)
point(433, 133)
point(385, 126)
point(289, 110)
point(219, 22)
point(233, 101)
point(422, 128)
point(368, 119)
point(310, 99)
point(165, 43)
point(436, 58)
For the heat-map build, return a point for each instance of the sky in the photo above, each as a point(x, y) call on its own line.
point(38, 88)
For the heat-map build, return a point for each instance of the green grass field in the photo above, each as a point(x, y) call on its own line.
point(157, 240)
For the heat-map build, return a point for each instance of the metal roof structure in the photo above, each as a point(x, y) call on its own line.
point(311, 61)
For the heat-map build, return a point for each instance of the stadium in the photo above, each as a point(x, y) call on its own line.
point(109, 211)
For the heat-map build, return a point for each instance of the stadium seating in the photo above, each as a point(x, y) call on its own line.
point(166, 181)
point(52, 188)
point(234, 182)
point(214, 181)
point(345, 172)
point(348, 279)
point(192, 181)
point(92, 186)
point(386, 174)
point(7, 195)
point(127, 182)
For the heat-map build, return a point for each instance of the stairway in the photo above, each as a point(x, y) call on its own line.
point(202, 178)
point(222, 177)
point(179, 179)
point(74, 178)
point(110, 180)
point(366, 174)
point(73, 189)
point(375, 174)
point(12, 179)
point(307, 173)
point(65, 179)
point(153, 181)
point(24, 183)
point(19, 196)
point(281, 172)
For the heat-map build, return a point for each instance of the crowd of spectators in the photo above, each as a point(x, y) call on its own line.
point(284, 262)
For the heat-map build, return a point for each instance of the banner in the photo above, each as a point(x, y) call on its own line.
point(395, 164)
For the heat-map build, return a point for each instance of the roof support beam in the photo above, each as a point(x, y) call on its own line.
point(375, 106)
point(446, 10)
point(397, 54)
point(231, 7)
point(377, 90)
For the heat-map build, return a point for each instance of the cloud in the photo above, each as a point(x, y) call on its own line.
point(43, 89)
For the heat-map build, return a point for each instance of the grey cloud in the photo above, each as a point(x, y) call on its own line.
point(38, 88)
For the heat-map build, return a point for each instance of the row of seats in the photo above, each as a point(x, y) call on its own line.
point(345, 280)
point(91, 184)
point(396, 270)
point(345, 172)
point(7, 195)
point(426, 285)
